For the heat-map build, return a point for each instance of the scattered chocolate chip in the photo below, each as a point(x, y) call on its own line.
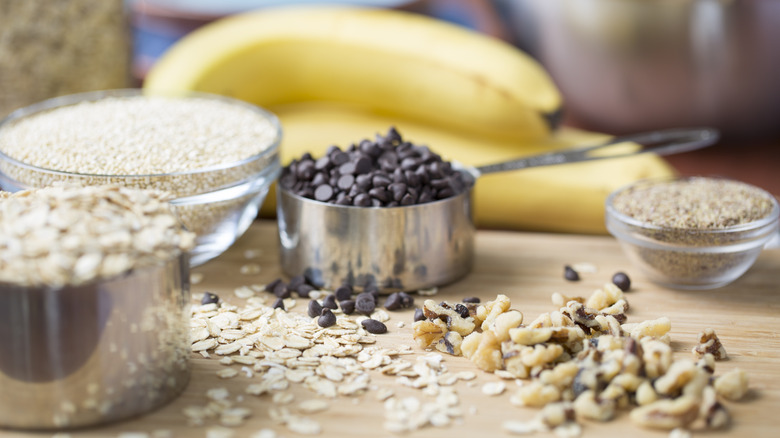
point(296, 282)
point(406, 300)
point(326, 319)
point(330, 302)
point(315, 308)
point(419, 315)
point(347, 306)
point(393, 301)
point(374, 326)
point(281, 291)
point(272, 285)
point(471, 300)
point(209, 298)
point(344, 293)
point(278, 304)
point(304, 290)
point(365, 303)
point(570, 274)
point(622, 281)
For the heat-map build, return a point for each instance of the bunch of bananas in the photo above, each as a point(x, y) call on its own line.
point(336, 75)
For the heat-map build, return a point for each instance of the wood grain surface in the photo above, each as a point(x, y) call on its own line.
point(528, 268)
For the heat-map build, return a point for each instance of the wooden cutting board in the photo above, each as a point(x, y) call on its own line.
point(528, 268)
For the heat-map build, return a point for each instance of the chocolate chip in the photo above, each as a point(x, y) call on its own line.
point(296, 282)
point(315, 309)
point(345, 182)
point(347, 168)
point(330, 302)
point(323, 193)
point(379, 193)
point(365, 303)
point(389, 163)
point(338, 157)
point(278, 304)
point(304, 290)
point(272, 285)
point(406, 300)
point(374, 326)
point(326, 319)
point(344, 293)
point(398, 190)
point(281, 291)
point(363, 182)
point(570, 274)
point(362, 200)
point(347, 306)
point(462, 310)
point(209, 298)
point(393, 301)
point(471, 300)
point(419, 315)
point(622, 281)
point(380, 180)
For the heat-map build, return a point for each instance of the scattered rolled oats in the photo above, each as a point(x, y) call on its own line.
point(303, 425)
point(493, 388)
point(250, 269)
point(227, 373)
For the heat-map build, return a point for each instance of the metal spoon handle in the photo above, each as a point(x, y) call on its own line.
point(665, 142)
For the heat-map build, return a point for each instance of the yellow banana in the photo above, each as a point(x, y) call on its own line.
point(567, 198)
point(393, 63)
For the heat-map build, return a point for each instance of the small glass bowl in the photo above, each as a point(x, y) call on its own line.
point(690, 258)
point(217, 203)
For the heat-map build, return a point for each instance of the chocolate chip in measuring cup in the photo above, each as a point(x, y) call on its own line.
point(387, 172)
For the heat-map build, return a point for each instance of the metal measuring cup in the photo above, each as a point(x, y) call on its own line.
point(111, 349)
point(425, 245)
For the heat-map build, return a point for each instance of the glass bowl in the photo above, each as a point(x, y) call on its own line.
point(217, 203)
point(686, 257)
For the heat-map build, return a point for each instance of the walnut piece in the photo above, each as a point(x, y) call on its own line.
point(710, 344)
point(667, 414)
point(733, 385)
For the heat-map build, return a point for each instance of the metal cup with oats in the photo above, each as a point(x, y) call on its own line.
point(692, 233)
point(217, 156)
point(94, 306)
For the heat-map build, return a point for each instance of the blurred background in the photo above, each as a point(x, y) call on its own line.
point(622, 65)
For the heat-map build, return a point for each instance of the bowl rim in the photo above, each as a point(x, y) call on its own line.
point(624, 220)
point(91, 96)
